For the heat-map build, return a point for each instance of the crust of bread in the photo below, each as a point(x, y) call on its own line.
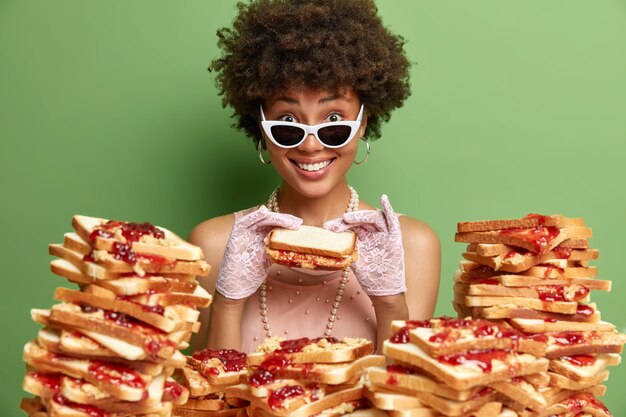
point(585, 404)
point(161, 322)
point(561, 307)
point(222, 378)
point(412, 383)
point(41, 359)
point(563, 382)
point(229, 412)
point(583, 373)
point(171, 246)
point(125, 285)
point(512, 311)
point(468, 375)
point(69, 315)
point(464, 339)
point(570, 292)
point(522, 392)
point(313, 240)
point(521, 262)
point(514, 240)
point(590, 343)
point(300, 408)
point(310, 261)
point(496, 249)
point(331, 374)
point(348, 349)
point(445, 406)
point(144, 265)
point(542, 326)
point(526, 281)
point(527, 222)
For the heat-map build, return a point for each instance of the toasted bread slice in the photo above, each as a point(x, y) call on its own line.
point(578, 293)
point(584, 313)
point(160, 346)
point(321, 350)
point(132, 285)
point(563, 382)
point(521, 391)
point(144, 237)
point(543, 326)
point(584, 403)
point(313, 240)
point(220, 367)
point(509, 280)
point(502, 364)
point(327, 373)
point(129, 387)
point(165, 321)
point(537, 240)
point(136, 262)
point(561, 307)
point(197, 384)
point(229, 412)
point(444, 336)
point(583, 343)
point(583, 368)
point(527, 222)
point(515, 261)
point(391, 400)
point(296, 405)
point(409, 380)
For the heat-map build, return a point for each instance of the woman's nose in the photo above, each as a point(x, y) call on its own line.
point(310, 144)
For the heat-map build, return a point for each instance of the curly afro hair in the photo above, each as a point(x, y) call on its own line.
point(275, 45)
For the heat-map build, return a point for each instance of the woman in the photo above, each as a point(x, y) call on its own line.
point(287, 67)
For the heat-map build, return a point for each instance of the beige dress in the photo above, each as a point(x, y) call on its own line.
point(299, 303)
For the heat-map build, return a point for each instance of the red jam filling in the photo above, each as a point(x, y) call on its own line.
point(124, 252)
point(277, 398)
point(488, 281)
point(401, 336)
point(296, 345)
point(400, 369)
point(153, 346)
point(549, 320)
point(584, 310)
point(415, 324)
point(562, 252)
point(578, 402)
point(480, 358)
point(557, 293)
point(116, 374)
point(568, 338)
point(580, 360)
point(147, 308)
point(539, 237)
point(90, 410)
point(232, 360)
point(173, 389)
point(261, 377)
point(48, 380)
point(132, 232)
point(510, 254)
point(541, 219)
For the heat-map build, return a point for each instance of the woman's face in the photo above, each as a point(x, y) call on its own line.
point(310, 168)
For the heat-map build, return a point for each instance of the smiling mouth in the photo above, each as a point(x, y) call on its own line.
point(313, 167)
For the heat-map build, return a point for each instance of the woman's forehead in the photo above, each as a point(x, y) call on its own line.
point(312, 97)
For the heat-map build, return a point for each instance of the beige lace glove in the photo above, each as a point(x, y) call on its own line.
point(380, 266)
point(245, 264)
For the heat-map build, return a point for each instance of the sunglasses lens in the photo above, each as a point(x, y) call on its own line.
point(287, 135)
point(334, 135)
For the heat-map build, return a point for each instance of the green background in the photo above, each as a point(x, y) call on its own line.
point(106, 109)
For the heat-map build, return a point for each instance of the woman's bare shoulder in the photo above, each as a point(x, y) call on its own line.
point(212, 233)
point(418, 234)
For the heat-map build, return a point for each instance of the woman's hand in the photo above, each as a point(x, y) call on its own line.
point(245, 265)
point(380, 266)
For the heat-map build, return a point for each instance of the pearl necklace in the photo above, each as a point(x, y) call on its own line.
point(272, 204)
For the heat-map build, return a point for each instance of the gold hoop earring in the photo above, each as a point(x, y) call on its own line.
point(368, 151)
point(259, 148)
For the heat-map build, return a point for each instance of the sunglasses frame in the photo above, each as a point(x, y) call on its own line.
point(354, 126)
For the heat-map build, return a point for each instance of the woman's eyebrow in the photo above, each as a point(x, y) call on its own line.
point(333, 97)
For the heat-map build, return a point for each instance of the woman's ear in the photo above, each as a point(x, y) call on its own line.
point(361, 132)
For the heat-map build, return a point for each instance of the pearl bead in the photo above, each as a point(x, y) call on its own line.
point(358, 291)
point(277, 272)
point(367, 319)
point(324, 282)
point(290, 301)
point(286, 331)
point(327, 300)
point(334, 311)
point(306, 312)
point(255, 338)
point(299, 280)
point(338, 317)
point(317, 299)
point(297, 292)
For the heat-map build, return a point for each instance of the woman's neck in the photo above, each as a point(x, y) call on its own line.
point(314, 211)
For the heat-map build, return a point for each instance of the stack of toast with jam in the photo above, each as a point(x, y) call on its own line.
point(533, 274)
point(457, 367)
point(307, 377)
point(110, 347)
point(206, 375)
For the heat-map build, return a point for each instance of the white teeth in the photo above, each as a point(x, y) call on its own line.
point(313, 167)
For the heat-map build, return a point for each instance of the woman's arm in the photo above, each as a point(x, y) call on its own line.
point(422, 259)
point(212, 236)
